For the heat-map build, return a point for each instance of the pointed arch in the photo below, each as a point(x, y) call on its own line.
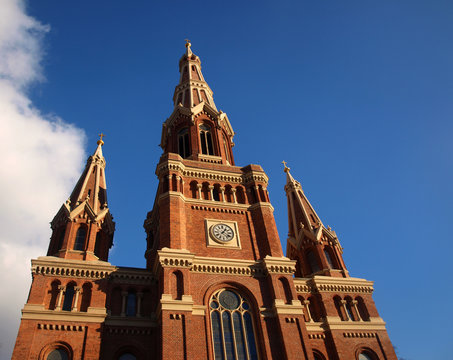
point(80, 239)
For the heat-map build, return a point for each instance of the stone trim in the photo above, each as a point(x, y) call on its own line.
point(61, 327)
point(132, 276)
point(121, 331)
point(330, 284)
point(335, 323)
point(359, 335)
point(316, 336)
point(295, 308)
point(279, 265)
point(218, 209)
point(53, 266)
point(37, 312)
point(228, 266)
point(139, 322)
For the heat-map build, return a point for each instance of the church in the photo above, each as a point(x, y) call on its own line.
point(216, 284)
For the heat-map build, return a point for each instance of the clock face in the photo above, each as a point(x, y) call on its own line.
point(222, 232)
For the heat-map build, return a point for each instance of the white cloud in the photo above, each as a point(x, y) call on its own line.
point(40, 160)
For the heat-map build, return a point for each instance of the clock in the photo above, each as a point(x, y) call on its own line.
point(222, 233)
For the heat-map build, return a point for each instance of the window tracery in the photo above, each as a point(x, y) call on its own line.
point(233, 334)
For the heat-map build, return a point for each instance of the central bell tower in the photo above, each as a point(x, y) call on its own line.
point(212, 239)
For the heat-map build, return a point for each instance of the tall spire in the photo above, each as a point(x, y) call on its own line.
point(192, 88)
point(86, 209)
point(315, 247)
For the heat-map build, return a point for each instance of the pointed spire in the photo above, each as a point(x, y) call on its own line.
point(316, 247)
point(301, 212)
point(83, 227)
point(192, 89)
point(92, 185)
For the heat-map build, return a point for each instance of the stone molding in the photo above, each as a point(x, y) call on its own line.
point(132, 276)
point(279, 265)
point(37, 312)
point(227, 266)
point(321, 283)
point(335, 323)
point(60, 327)
point(54, 266)
point(212, 175)
point(280, 308)
point(127, 331)
point(359, 335)
point(138, 322)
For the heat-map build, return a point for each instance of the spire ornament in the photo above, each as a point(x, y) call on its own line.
point(188, 45)
point(286, 169)
point(100, 142)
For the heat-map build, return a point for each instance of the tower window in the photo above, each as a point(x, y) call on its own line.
point(61, 238)
point(227, 152)
point(183, 143)
point(68, 297)
point(97, 244)
point(79, 243)
point(131, 304)
point(233, 334)
point(329, 259)
point(206, 140)
point(314, 267)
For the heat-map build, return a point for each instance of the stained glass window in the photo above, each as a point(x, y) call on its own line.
point(233, 334)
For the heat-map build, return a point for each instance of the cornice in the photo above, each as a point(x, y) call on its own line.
point(333, 284)
point(37, 312)
point(211, 265)
point(54, 266)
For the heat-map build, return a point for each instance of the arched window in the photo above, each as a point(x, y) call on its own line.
point(206, 140)
point(329, 259)
point(349, 308)
point(314, 267)
point(131, 309)
point(58, 354)
point(363, 311)
point(79, 243)
point(227, 151)
point(233, 334)
point(68, 297)
point(317, 355)
point(97, 244)
point(61, 237)
point(127, 356)
point(367, 355)
point(183, 143)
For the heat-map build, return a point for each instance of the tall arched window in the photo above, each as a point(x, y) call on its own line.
point(233, 334)
point(227, 151)
point(206, 140)
point(311, 257)
point(68, 297)
point(131, 308)
point(127, 356)
point(183, 143)
point(79, 243)
point(329, 259)
point(61, 237)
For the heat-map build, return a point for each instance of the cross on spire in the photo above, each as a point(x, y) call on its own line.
point(286, 169)
point(100, 142)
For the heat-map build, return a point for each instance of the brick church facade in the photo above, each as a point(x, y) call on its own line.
point(216, 284)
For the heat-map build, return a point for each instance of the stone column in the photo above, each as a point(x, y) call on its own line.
point(343, 302)
point(76, 300)
point(60, 297)
point(178, 185)
point(123, 303)
point(199, 186)
point(307, 309)
point(139, 303)
point(354, 303)
point(234, 195)
point(170, 185)
point(222, 189)
point(257, 193)
point(211, 191)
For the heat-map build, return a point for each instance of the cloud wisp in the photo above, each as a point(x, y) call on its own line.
point(40, 160)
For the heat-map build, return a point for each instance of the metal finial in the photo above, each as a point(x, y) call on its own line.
point(286, 169)
point(188, 44)
point(100, 142)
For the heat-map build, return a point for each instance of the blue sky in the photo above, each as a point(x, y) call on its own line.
point(355, 95)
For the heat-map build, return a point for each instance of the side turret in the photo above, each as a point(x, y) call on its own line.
point(315, 247)
point(83, 227)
